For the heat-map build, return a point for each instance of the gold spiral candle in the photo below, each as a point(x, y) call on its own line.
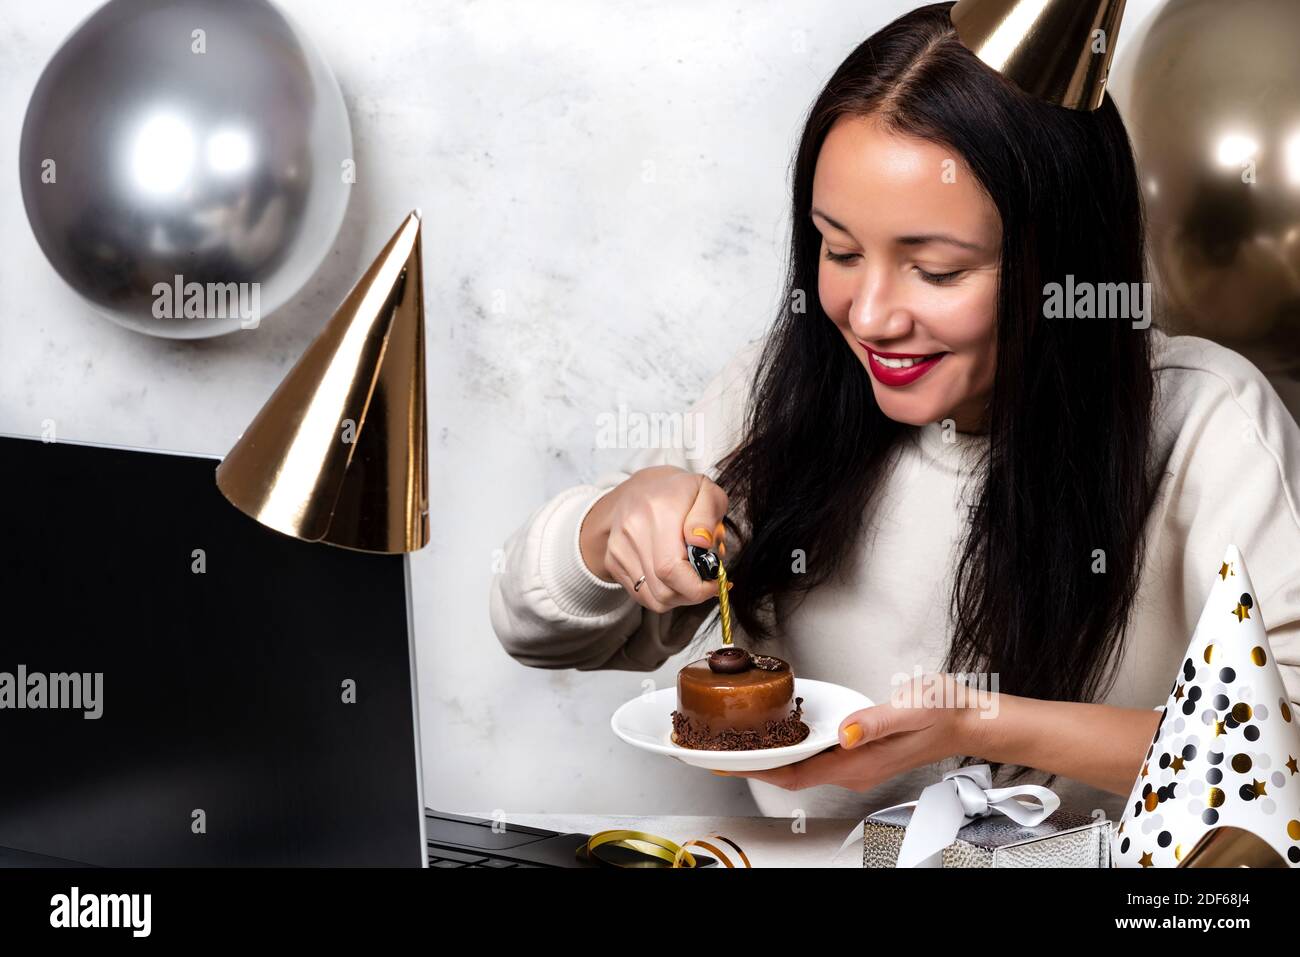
point(724, 606)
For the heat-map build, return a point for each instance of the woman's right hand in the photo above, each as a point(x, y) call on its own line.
point(642, 527)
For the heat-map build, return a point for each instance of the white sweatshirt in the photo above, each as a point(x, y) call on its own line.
point(1232, 475)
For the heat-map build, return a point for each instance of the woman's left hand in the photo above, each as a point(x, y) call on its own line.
point(910, 730)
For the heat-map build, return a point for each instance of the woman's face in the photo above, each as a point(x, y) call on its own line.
point(909, 270)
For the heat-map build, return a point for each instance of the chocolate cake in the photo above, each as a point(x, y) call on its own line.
point(735, 701)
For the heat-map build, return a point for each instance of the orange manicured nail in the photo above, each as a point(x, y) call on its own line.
point(703, 533)
point(720, 530)
point(852, 735)
point(722, 774)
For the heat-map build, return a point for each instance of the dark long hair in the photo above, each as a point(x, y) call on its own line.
point(1066, 471)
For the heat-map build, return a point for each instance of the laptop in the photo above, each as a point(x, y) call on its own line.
point(187, 687)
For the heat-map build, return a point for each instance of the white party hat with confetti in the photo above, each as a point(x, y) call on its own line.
point(1225, 753)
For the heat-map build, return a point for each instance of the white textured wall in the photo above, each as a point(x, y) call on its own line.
point(559, 283)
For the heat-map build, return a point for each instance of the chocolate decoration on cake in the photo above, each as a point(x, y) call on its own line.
point(729, 661)
point(741, 710)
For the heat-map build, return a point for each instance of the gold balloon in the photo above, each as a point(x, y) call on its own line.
point(1211, 98)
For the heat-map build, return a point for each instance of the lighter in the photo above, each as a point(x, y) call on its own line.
point(705, 562)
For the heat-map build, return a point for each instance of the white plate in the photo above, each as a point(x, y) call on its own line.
point(646, 722)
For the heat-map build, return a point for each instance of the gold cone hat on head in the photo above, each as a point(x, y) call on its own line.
point(1057, 50)
point(339, 453)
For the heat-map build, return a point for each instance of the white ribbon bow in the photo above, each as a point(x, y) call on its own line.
point(962, 796)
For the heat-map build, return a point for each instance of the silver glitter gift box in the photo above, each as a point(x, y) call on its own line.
point(1065, 839)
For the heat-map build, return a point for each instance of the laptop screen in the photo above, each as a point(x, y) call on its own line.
point(180, 685)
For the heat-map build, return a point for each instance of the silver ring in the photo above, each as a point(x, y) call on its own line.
point(639, 582)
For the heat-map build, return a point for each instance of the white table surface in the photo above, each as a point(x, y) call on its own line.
point(767, 841)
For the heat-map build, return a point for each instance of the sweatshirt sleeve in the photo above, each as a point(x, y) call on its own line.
point(1235, 479)
point(549, 610)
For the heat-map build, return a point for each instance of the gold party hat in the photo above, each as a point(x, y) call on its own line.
point(339, 453)
point(1057, 50)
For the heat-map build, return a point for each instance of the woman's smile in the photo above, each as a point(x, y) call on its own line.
point(897, 369)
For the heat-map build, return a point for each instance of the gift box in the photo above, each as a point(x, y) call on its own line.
point(1063, 839)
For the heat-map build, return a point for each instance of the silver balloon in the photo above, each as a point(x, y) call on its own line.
point(1210, 93)
point(174, 147)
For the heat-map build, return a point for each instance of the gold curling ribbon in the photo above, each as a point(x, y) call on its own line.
point(653, 845)
point(715, 851)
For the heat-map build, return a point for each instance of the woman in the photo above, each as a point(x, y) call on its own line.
point(926, 467)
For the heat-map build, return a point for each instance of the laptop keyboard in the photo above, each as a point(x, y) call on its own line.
point(444, 857)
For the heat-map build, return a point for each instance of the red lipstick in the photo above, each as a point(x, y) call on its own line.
point(896, 376)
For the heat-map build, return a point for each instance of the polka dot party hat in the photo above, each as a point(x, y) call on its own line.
point(1225, 753)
